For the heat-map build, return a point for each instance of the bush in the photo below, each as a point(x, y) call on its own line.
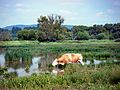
point(117, 40)
point(5, 36)
point(82, 36)
point(102, 36)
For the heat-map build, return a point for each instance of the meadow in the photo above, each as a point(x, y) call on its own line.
point(76, 77)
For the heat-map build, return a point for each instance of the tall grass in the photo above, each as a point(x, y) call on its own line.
point(103, 77)
point(97, 51)
point(76, 77)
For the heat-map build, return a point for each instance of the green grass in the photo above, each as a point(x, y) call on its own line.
point(75, 77)
point(29, 43)
point(102, 49)
point(102, 77)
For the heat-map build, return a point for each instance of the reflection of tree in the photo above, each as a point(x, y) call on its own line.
point(26, 61)
point(47, 59)
point(2, 50)
point(13, 63)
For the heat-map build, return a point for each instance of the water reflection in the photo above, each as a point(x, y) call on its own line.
point(25, 63)
point(58, 70)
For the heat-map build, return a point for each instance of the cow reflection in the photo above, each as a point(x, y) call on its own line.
point(58, 70)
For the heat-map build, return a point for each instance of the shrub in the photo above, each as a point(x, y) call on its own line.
point(117, 40)
point(102, 36)
point(82, 36)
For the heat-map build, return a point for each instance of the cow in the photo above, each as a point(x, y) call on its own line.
point(68, 58)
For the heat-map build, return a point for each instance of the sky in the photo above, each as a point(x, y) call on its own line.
point(75, 12)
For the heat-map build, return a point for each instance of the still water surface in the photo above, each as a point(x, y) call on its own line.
point(35, 64)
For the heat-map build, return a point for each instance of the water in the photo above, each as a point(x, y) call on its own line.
point(25, 66)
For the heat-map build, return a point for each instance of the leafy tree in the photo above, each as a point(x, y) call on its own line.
point(78, 29)
point(50, 28)
point(97, 29)
point(102, 36)
point(27, 35)
point(116, 35)
point(83, 36)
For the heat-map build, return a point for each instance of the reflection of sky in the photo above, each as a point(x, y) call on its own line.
point(87, 62)
point(35, 62)
point(33, 68)
point(2, 59)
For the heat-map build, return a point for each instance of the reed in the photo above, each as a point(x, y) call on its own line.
point(75, 77)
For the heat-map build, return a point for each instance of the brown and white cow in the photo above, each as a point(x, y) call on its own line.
point(68, 58)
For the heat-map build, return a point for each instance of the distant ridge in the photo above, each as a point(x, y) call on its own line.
point(22, 26)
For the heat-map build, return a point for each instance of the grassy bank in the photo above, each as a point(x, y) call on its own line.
point(90, 49)
point(31, 43)
point(76, 77)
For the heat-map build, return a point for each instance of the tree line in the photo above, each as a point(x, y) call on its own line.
point(50, 28)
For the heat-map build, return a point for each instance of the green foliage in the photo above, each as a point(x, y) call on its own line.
point(3, 70)
point(27, 35)
point(115, 76)
point(13, 57)
point(116, 35)
point(82, 78)
point(99, 49)
point(50, 28)
point(10, 75)
point(117, 40)
point(80, 33)
point(107, 31)
point(82, 36)
point(102, 36)
point(103, 77)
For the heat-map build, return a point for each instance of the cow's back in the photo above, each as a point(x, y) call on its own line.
point(70, 57)
point(76, 57)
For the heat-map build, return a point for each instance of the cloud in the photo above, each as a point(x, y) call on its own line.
point(72, 1)
point(19, 5)
point(21, 8)
point(66, 12)
point(100, 14)
point(69, 2)
point(69, 15)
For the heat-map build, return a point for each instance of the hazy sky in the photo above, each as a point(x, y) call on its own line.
point(75, 12)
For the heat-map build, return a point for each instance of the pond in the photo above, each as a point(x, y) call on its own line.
point(24, 63)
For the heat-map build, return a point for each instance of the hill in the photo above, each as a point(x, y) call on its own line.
point(22, 26)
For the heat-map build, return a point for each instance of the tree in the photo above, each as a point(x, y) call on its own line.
point(5, 36)
point(102, 36)
point(97, 29)
point(116, 35)
point(50, 27)
point(27, 35)
point(78, 31)
point(82, 36)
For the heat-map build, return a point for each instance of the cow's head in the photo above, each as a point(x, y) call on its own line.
point(56, 62)
point(81, 62)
